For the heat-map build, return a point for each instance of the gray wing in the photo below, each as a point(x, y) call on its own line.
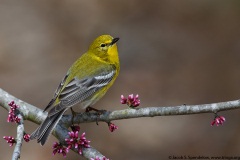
point(56, 93)
point(79, 90)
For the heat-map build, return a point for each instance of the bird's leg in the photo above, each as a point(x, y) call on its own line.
point(73, 115)
point(98, 112)
point(88, 109)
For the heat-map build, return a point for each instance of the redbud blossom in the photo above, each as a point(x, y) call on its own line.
point(60, 149)
point(112, 127)
point(26, 137)
point(11, 117)
point(10, 140)
point(13, 106)
point(77, 142)
point(17, 119)
point(123, 100)
point(12, 113)
point(218, 120)
point(132, 101)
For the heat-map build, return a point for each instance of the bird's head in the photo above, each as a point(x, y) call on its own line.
point(104, 46)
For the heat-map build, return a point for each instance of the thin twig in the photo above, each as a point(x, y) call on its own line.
point(19, 139)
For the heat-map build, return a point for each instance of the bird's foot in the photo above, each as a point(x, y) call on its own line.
point(98, 112)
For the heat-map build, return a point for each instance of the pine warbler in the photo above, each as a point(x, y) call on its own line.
point(87, 80)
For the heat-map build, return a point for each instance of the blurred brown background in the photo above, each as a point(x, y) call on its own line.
point(171, 52)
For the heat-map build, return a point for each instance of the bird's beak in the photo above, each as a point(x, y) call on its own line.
point(114, 41)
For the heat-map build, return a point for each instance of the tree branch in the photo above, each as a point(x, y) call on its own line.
point(153, 111)
point(36, 115)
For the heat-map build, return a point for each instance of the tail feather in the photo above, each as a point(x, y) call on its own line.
point(34, 135)
point(44, 130)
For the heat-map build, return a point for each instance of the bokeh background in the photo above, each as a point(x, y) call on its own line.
point(171, 52)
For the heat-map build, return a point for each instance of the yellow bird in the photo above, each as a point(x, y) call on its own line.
point(87, 81)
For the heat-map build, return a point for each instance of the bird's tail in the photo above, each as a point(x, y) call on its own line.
point(43, 131)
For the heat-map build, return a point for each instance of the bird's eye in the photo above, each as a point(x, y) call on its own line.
point(103, 45)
